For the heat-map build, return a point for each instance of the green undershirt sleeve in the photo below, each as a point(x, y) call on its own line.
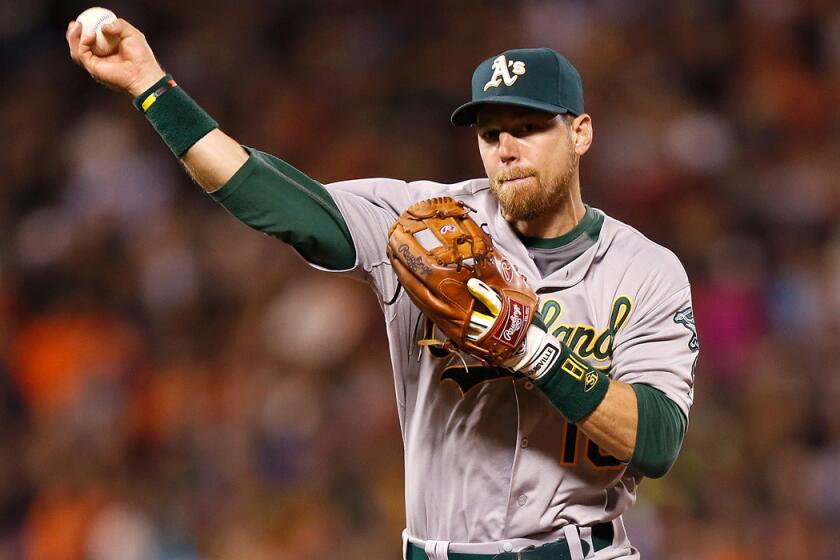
point(273, 197)
point(659, 434)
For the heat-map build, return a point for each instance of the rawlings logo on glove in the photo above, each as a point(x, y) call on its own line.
point(513, 323)
point(415, 264)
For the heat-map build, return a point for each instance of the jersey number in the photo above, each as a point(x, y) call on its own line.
point(597, 458)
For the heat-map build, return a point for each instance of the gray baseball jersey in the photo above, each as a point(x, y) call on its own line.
point(487, 457)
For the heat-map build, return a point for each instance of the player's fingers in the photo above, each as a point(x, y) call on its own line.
point(87, 39)
point(480, 323)
point(115, 28)
point(125, 28)
point(70, 29)
point(74, 32)
point(84, 52)
point(480, 320)
point(485, 294)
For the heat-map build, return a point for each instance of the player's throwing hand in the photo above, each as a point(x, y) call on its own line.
point(131, 68)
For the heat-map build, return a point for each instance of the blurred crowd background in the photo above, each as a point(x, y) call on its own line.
point(174, 386)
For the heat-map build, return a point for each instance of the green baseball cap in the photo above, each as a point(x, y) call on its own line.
point(541, 79)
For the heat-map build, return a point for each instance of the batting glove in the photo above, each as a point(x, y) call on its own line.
point(537, 354)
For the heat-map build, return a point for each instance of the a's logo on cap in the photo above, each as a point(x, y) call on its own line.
point(501, 72)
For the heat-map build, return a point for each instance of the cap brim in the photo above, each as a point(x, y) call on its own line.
point(465, 114)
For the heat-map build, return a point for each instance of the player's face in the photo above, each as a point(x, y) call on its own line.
point(531, 158)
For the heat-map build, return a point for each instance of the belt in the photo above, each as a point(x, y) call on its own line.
point(602, 537)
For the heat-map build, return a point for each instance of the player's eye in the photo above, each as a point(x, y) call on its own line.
point(490, 136)
point(525, 129)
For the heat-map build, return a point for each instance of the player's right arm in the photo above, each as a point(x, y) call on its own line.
point(262, 191)
point(213, 159)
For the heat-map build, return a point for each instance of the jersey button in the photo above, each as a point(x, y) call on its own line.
point(524, 442)
point(507, 546)
point(523, 499)
point(529, 385)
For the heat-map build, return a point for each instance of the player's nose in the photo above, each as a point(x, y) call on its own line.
point(508, 147)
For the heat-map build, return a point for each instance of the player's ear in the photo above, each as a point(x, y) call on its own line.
point(581, 128)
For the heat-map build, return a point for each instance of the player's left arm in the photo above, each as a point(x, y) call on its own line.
point(644, 413)
point(615, 421)
point(639, 425)
point(637, 411)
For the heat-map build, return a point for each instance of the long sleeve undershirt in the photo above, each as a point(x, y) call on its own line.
point(273, 197)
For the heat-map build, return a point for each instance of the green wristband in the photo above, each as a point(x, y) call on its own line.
point(174, 115)
point(573, 386)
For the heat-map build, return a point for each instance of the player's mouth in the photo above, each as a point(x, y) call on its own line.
point(516, 181)
point(514, 177)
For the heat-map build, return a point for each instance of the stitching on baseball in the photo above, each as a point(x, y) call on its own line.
point(99, 23)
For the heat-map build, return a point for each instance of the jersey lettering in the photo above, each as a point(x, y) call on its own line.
point(468, 377)
point(600, 460)
point(595, 456)
point(585, 340)
point(570, 445)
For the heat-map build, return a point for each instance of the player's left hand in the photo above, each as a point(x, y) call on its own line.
point(435, 247)
point(539, 349)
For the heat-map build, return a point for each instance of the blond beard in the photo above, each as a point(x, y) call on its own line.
point(534, 198)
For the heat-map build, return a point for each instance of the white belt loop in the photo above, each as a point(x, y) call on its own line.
point(573, 540)
point(619, 532)
point(586, 536)
point(405, 544)
point(437, 550)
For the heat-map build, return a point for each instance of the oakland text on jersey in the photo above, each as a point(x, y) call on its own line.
point(586, 340)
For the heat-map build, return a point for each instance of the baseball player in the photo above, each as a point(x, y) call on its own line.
point(533, 460)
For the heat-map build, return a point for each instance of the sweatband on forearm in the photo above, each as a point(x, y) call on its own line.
point(573, 386)
point(174, 115)
point(659, 434)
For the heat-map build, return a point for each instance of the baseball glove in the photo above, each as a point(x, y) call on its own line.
point(435, 248)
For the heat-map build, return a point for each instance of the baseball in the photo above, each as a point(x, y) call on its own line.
point(92, 21)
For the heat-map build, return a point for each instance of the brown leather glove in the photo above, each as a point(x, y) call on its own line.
point(435, 247)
